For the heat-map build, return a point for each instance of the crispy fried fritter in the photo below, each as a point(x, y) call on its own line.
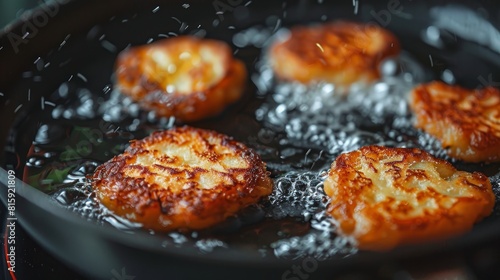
point(339, 52)
point(467, 122)
point(182, 179)
point(382, 197)
point(185, 77)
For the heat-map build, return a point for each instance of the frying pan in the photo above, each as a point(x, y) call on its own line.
point(39, 51)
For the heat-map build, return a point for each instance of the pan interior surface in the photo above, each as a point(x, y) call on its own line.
point(69, 118)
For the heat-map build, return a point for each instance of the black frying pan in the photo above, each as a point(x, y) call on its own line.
point(65, 35)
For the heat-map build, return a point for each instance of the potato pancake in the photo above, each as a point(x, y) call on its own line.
point(182, 179)
point(382, 197)
point(185, 77)
point(341, 53)
point(467, 122)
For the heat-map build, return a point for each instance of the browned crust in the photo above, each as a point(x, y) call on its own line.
point(467, 122)
point(183, 204)
point(340, 52)
point(147, 91)
point(419, 205)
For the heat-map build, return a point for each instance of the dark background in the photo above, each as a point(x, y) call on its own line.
point(12, 9)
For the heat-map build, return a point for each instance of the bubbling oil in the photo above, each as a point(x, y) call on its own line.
point(302, 129)
point(495, 184)
point(300, 194)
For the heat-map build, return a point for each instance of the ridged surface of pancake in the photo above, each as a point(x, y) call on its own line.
point(339, 52)
point(382, 197)
point(182, 179)
point(467, 122)
point(185, 77)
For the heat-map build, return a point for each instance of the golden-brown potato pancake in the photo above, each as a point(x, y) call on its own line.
point(185, 77)
point(467, 122)
point(339, 52)
point(382, 197)
point(181, 179)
